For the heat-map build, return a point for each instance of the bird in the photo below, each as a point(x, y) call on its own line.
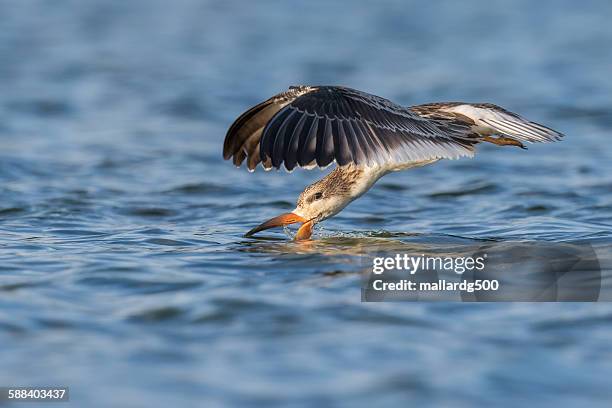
point(366, 137)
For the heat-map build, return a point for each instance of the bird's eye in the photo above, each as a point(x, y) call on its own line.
point(317, 196)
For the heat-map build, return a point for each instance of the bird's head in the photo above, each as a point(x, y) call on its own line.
point(319, 201)
point(322, 200)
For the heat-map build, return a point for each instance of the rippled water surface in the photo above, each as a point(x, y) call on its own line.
point(123, 268)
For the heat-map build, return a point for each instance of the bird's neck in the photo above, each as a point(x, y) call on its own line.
point(352, 180)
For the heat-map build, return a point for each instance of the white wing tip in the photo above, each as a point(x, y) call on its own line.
point(495, 120)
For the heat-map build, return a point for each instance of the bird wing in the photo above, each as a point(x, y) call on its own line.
point(487, 119)
point(315, 126)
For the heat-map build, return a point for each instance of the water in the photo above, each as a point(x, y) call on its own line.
point(123, 270)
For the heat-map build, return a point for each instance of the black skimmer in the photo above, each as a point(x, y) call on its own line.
point(366, 136)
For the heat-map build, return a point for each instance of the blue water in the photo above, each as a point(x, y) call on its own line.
point(123, 270)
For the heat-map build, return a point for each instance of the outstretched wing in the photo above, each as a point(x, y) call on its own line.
point(315, 126)
point(487, 119)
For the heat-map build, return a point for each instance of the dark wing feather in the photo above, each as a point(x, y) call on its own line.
point(319, 125)
point(244, 137)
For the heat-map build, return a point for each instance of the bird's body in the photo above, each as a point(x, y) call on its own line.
point(366, 136)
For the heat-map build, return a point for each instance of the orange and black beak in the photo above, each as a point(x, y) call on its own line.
point(304, 232)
